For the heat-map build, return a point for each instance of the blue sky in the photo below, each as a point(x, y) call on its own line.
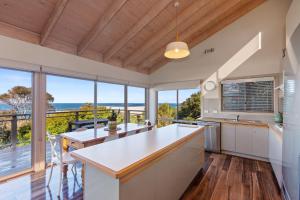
point(11, 78)
point(169, 96)
point(70, 90)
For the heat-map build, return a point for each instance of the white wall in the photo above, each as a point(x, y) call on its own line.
point(268, 18)
point(16, 52)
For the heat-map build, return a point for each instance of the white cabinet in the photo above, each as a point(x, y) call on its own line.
point(260, 142)
point(275, 153)
point(228, 137)
point(243, 137)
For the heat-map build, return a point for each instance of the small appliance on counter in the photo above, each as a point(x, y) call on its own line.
point(278, 118)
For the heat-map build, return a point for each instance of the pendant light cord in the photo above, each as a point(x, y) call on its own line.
point(176, 6)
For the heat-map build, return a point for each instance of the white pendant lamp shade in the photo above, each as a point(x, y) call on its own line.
point(177, 50)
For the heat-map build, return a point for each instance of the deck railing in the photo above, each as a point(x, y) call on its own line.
point(10, 123)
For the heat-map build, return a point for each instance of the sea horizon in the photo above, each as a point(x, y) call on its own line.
point(76, 106)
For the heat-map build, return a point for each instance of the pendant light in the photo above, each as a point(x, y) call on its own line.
point(177, 49)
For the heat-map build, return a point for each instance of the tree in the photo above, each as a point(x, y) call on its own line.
point(190, 108)
point(165, 113)
point(20, 99)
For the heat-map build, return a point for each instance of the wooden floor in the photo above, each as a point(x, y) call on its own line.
point(223, 177)
point(226, 177)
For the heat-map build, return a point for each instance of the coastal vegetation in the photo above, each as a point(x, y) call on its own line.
point(188, 110)
point(19, 98)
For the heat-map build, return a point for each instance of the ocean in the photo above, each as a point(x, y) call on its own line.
point(76, 106)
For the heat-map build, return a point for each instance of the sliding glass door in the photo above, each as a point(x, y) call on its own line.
point(189, 104)
point(15, 121)
point(70, 105)
point(182, 105)
point(111, 97)
point(167, 107)
point(136, 104)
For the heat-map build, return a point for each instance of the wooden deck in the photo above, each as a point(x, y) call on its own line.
point(12, 161)
point(223, 177)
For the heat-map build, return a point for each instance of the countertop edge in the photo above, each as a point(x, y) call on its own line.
point(241, 122)
point(140, 163)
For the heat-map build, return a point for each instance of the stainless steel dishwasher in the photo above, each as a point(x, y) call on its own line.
point(212, 136)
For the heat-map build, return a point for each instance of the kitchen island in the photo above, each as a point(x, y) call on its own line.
point(157, 164)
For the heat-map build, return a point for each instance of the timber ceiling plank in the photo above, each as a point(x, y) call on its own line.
point(53, 19)
point(155, 26)
point(131, 34)
point(78, 19)
point(185, 15)
point(100, 25)
point(229, 17)
point(153, 12)
point(29, 15)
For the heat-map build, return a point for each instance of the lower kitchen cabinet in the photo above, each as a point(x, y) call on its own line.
point(227, 137)
point(260, 142)
point(275, 153)
point(245, 139)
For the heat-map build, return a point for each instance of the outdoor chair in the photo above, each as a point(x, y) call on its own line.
point(60, 159)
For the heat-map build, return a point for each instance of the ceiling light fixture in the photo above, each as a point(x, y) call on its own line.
point(177, 49)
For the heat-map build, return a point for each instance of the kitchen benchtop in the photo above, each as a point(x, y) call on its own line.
point(233, 121)
point(120, 157)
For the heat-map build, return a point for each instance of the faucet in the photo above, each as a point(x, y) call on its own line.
point(237, 118)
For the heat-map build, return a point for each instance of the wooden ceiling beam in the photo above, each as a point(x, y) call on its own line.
point(100, 26)
point(152, 13)
point(200, 26)
point(19, 33)
point(231, 16)
point(140, 52)
point(53, 19)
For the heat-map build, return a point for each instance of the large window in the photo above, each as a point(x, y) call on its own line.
point(15, 121)
point(71, 105)
point(188, 104)
point(111, 97)
point(69, 100)
point(136, 104)
point(248, 96)
point(167, 107)
point(175, 105)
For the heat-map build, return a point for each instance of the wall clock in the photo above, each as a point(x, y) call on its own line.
point(210, 86)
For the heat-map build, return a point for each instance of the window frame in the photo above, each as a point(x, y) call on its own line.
point(245, 81)
point(177, 103)
point(39, 84)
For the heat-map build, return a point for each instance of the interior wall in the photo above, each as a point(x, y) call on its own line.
point(267, 19)
point(16, 52)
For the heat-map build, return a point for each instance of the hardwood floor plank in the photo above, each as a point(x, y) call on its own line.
point(221, 191)
point(223, 177)
point(227, 162)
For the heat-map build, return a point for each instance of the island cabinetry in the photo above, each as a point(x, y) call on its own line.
point(157, 164)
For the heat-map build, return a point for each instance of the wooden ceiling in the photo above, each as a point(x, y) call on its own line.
point(130, 34)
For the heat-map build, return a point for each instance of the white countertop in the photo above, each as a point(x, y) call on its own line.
point(121, 156)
